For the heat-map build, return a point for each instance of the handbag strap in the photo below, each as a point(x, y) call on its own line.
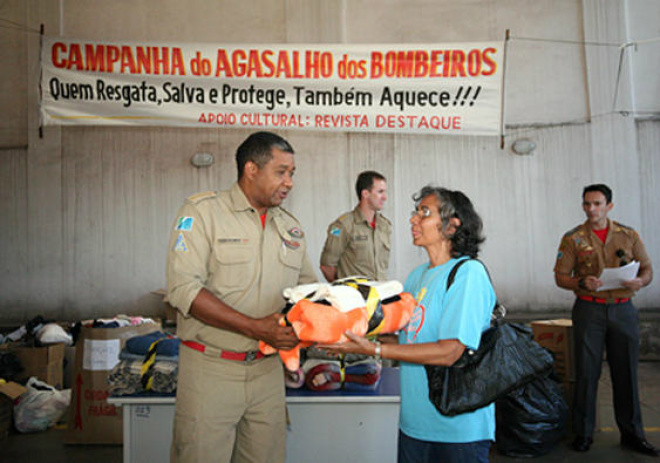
point(499, 311)
point(452, 272)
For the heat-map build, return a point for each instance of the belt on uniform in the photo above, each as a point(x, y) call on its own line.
point(599, 300)
point(227, 355)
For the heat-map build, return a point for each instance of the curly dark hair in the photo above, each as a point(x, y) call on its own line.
point(468, 236)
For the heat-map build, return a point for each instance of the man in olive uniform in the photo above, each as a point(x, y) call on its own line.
point(231, 253)
point(358, 242)
point(604, 319)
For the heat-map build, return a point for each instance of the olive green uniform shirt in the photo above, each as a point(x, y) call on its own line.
point(582, 253)
point(218, 243)
point(357, 249)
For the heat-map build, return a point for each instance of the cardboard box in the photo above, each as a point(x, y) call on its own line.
point(9, 392)
point(557, 337)
point(69, 362)
point(92, 420)
point(46, 363)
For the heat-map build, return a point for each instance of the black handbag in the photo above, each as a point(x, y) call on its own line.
point(507, 358)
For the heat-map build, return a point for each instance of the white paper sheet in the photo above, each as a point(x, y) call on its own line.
point(613, 277)
point(101, 354)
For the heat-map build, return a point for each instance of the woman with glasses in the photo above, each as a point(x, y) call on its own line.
point(446, 321)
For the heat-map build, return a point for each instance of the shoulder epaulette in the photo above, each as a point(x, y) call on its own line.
point(285, 212)
point(196, 198)
point(626, 227)
point(572, 231)
point(344, 216)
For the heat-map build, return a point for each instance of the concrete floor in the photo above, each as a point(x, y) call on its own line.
point(47, 447)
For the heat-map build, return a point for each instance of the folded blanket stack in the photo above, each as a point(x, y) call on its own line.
point(325, 371)
point(148, 363)
point(126, 378)
point(332, 375)
point(294, 379)
point(167, 346)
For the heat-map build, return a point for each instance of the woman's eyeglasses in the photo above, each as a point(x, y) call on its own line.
point(423, 212)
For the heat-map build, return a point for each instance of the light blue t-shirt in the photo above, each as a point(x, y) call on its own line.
point(461, 313)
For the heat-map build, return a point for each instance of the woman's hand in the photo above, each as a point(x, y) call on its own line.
point(444, 352)
point(355, 345)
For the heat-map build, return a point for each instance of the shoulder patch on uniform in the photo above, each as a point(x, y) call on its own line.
point(180, 245)
point(202, 196)
point(335, 231)
point(184, 223)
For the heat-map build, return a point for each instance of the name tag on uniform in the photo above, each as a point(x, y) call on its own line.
point(360, 238)
point(291, 244)
point(233, 240)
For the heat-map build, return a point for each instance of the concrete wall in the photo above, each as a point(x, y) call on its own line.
point(86, 210)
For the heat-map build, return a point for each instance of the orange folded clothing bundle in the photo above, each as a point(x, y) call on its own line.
point(326, 312)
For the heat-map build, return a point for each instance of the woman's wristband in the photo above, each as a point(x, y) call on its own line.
point(378, 349)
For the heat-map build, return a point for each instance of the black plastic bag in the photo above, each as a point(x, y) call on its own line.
point(531, 420)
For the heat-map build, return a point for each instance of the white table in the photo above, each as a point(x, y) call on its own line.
point(332, 427)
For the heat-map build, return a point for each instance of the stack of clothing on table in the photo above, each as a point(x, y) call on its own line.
point(321, 371)
point(148, 363)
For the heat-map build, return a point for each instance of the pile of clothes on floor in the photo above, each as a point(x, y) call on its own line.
point(147, 364)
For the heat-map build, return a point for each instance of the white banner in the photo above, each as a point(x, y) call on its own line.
point(452, 88)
